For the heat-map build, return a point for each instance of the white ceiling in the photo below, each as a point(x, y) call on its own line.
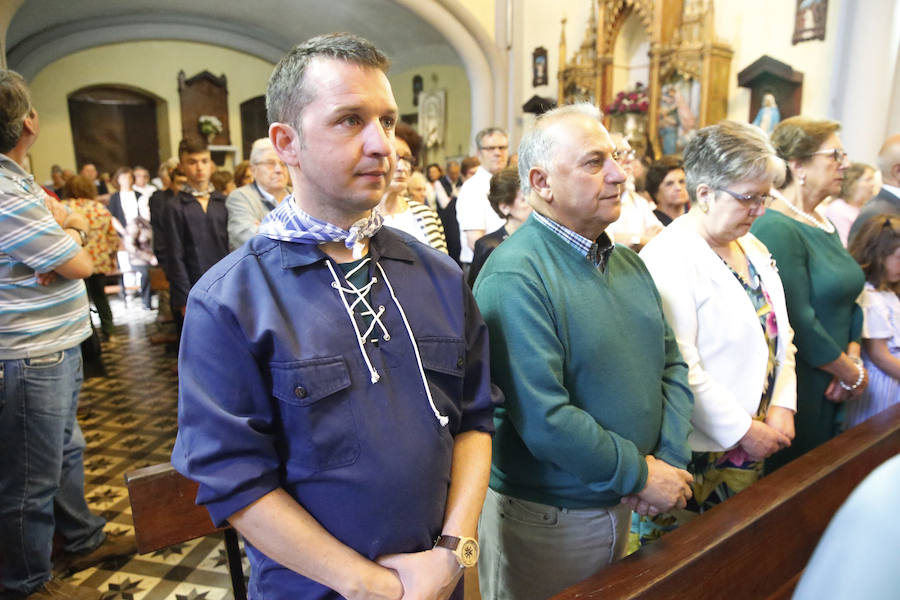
point(43, 31)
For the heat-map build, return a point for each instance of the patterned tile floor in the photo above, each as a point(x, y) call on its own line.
point(129, 421)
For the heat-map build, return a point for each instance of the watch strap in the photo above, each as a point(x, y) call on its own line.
point(447, 541)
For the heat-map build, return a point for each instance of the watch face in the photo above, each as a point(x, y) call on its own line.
point(468, 553)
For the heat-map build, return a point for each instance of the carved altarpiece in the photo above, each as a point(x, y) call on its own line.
point(684, 53)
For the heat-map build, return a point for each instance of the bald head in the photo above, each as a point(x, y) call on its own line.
point(889, 161)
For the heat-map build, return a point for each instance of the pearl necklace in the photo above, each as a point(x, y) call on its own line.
point(825, 225)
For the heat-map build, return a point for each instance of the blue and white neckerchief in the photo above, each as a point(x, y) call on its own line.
point(289, 223)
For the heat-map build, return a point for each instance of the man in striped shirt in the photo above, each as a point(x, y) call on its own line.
point(43, 320)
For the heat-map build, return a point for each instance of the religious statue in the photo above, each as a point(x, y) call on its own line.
point(768, 116)
point(677, 119)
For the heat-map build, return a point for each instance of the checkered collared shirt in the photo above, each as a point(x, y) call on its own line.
point(597, 252)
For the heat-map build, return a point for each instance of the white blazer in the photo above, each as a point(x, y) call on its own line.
point(718, 332)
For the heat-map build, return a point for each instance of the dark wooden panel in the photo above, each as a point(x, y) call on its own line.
point(756, 544)
point(113, 127)
point(254, 123)
point(163, 508)
point(203, 94)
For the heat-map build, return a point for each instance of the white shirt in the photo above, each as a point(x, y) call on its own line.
point(474, 212)
point(406, 221)
point(635, 219)
point(892, 189)
point(145, 190)
point(129, 206)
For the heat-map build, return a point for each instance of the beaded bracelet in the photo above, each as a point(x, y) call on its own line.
point(862, 375)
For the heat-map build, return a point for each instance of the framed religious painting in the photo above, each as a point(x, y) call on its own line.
point(539, 66)
point(432, 111)
point(809, 21)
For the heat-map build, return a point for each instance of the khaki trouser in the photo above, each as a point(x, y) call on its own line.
point(531, 550)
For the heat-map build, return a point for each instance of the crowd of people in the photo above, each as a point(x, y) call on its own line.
point(389, 373)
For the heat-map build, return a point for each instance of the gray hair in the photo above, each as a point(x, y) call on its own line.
point(889, 155)
point(15, 105)
point(287, 96)
point(418, 177)
point(260, 147)
point(727, 152)
point(536, 147)
point(489, 131)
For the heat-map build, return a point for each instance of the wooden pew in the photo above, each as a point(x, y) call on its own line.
point(756, 545)
point(164, 514)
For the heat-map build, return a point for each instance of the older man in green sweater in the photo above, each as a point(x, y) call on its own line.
point(598, 406)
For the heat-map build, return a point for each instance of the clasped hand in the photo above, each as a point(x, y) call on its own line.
point(428, 575)
point(667, 488)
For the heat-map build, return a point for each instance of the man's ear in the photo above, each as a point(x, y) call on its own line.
point(28, 124)
point(539, 180)
point(283, 138)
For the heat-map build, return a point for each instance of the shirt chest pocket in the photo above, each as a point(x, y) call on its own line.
point(318, 426)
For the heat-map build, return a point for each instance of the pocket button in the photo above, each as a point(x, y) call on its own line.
point(300, 391)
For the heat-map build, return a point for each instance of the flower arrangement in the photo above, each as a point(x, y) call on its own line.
point(630, 101)
point(209, 125)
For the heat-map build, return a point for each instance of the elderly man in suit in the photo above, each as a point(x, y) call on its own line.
point(248, 204)
point(888, 199)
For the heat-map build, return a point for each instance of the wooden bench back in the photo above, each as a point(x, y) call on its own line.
point(756, 545)
point(163, 508)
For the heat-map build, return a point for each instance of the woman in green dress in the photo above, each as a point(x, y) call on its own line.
point(821, 281)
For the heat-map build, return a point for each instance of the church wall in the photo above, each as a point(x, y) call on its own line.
point(767, 28)
point(148, 66)
point(458, 108)
point(483, 11)
point(538, 23)
point(152, 67)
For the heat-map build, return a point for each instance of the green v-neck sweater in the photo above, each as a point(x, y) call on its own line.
point(591, 372)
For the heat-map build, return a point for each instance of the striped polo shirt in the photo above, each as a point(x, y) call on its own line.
point(35, 319)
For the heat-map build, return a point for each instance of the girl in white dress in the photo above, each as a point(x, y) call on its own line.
point(877, 250)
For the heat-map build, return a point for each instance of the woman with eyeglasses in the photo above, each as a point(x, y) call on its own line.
point(722, 295)
point(821, 281)
point(417, 219)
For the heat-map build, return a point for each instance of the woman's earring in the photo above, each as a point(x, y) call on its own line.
point(802, 179)
point(703, 205)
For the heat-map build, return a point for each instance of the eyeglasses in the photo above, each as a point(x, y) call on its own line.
point(271, 164)
point(625, 154)
point(837, 154)
point(752, 201)
point(495, 148)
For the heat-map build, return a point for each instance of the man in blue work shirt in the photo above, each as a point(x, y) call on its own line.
point(335, 403)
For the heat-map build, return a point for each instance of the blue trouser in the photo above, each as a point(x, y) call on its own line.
point(42, 473)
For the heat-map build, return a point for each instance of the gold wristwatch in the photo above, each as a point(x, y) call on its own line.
point(464, 549)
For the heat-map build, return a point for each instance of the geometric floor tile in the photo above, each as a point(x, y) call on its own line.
point(129, 420)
